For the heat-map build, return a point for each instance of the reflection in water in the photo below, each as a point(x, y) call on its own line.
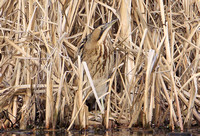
point(120, 132)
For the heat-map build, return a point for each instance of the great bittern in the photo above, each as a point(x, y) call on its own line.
point(99, 58)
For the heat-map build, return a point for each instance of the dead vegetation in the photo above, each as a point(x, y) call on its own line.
point(155, 80)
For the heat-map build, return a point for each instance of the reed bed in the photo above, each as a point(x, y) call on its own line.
point(155, 80)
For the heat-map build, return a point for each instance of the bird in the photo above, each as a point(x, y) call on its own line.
point(99, 58)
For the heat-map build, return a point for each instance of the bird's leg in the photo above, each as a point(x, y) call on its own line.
point(95, 111)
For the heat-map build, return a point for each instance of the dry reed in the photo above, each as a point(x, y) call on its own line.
point(155, 80)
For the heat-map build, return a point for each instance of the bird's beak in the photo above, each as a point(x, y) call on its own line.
point(108, 25)
point(105, 30)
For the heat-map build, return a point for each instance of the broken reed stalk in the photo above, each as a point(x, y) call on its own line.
point(49, 98)
point(158, 80)
point(80, 94)
point(125, 20)
point(125, 33)
point(194, 88)
point(14, 113)
point(59, 97)
point(109, 99)
point(93, 87)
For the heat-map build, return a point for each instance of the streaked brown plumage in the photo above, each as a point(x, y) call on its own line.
point(98, 56)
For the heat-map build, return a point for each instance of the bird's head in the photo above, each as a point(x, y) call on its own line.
point(99, 34)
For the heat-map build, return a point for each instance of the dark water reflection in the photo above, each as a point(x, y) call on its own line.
point(121, 132)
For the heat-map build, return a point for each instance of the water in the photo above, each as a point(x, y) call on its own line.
point(120, 132)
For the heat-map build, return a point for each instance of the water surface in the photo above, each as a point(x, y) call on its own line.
point(119, 132)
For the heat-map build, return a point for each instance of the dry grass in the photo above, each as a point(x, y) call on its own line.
point(155, 79)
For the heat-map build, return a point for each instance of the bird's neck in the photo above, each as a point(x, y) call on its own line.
point(93, 45)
